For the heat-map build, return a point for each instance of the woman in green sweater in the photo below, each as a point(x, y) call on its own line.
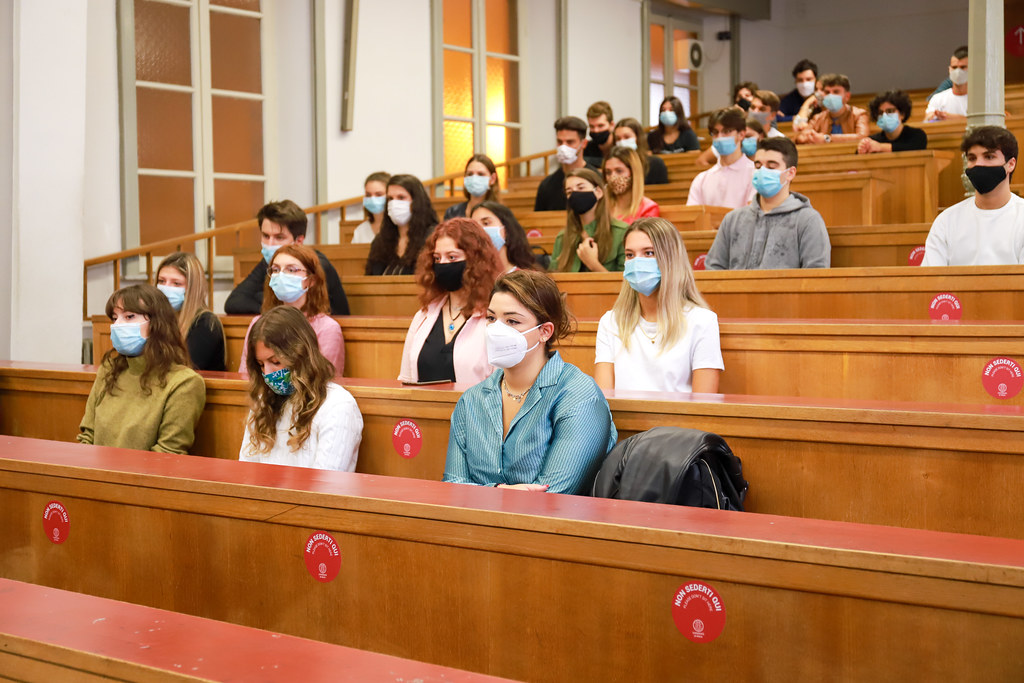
point(592, 240)
point(145, 395)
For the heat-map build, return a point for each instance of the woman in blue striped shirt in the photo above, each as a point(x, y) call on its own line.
point(537, 423)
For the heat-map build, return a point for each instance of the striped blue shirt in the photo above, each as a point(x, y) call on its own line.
point(560, 436)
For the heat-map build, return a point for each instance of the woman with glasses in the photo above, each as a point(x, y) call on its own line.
point(297, 280)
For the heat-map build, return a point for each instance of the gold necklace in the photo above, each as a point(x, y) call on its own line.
point(644, 332)
point(518, 398)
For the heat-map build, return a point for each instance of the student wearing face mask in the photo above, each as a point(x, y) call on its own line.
point(480, 184)
point(891, 111)
point(297, 415)
point(280, 224)
point(660, 336)
point(629, 133)
point(145, 396)
point(751, 136)
point(537, 423)
point(673, 133)
point(601, 123)
point(805, 74)
point(779, 228)
point(592, 239)
point(570, 133)
point(374, 202)
point(841, 121)
point(507, 235)
point(951, 103)
point(455, 272)
point(296, 280)
point(764, 108)
point(811, 107)
point(988, 228)
point(743, 93)
point(180, 277)
point(727, 183)
point(409, 221)
point(623, 176)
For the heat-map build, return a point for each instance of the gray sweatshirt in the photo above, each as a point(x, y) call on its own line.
point(792, 235)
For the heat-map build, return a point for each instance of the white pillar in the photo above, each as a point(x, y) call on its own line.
point(6, 171)
point(985, 64)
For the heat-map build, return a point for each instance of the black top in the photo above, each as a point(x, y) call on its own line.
point(551, 191)
point(657, 173)
point(437, 359)
point(456, 211)
point(686, 142)
point(205, 342)
point(395, 267)
point(247, 297)
point(789, 105)
point(910, 139)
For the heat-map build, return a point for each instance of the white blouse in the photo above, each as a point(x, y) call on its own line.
point(642, 368)
point(333, 442)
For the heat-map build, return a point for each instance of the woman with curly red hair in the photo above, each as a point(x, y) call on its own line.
point(455, 271)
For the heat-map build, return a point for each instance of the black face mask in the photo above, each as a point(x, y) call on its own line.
point(600, 138)
point(985, 178)
point(581, 202)
point(744, 104)
point(448, 276)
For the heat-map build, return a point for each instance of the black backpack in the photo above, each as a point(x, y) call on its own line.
point(676, 466)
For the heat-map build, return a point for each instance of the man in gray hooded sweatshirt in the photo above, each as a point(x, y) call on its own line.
point(779, 228)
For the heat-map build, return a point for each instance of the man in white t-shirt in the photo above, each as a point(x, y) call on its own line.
point(952, 103)
point(988, 228)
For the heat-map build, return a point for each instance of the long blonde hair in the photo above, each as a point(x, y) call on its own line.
point(677, 291)
point(574, 227)
point(632, 161)
point(195, 292)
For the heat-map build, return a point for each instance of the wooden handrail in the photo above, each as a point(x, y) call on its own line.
point(513, 168)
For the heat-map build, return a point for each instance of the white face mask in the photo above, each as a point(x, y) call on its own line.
point(506, 347)
point(566, 154)
point(958, 75)
point(805, 88)
point(400, 211)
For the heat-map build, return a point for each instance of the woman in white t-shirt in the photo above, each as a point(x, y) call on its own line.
point(375, 200)
point(660, 335)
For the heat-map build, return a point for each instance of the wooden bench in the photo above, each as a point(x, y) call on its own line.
point(509, 583)
point(48, 634)
point(936, 466)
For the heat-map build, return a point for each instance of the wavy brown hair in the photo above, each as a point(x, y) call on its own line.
point(574, 226)
point(164, 347)
point(286, 332)
point(517, 246)
point(384, 248)
point(482, 263)
point(316, 294)
point(540, 295)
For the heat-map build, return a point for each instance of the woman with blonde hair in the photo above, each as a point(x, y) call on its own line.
point(624, 175)
point(180, 277)
point(592, 239)
point(297, 280)
point(660, 335)
point(145, 396)
point(297, 415)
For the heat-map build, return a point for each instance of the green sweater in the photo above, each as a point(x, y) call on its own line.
point(614, 260)
point(164, 421)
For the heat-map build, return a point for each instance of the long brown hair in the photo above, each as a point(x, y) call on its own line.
point(195, 290)
point(492, 192)
point(165, 347)
point(316, 289)
point(540, 295)
point(641, 140)
point(574, 226)
point(378, 177)
point(286, 332)
point(482, 263)
point(631, 159)
point(384, 248)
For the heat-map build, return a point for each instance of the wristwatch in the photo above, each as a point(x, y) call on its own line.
point(828, 138)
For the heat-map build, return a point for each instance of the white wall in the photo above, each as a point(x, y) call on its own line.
point(715, 79)
point(6, 166)
point(605, 58)
point(538, 81)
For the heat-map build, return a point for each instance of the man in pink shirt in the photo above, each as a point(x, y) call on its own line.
point(727, 183)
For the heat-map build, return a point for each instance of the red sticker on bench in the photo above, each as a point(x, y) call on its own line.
point(698, 263)
point(407, 438)
point(698, 611)
point(323, 558)
point(56, 522)
point(535, 233)
point(916, 256)
point(1003, 378)
point(945, 306)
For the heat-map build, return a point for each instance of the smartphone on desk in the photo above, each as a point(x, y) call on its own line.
point(426, 383)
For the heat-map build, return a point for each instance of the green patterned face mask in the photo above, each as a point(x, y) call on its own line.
point(280, 382)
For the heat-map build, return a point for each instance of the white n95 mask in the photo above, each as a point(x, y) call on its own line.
point(506, 347)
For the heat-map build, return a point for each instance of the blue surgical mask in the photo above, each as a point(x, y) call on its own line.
point(286, 287)
point(642, 274)
point(476, 185)
point(749, 146)
point(724, 146)
point(127, 338)
point(494, 232)
point(268, 251)
point(832, 102)
point(375, 205)
point(280, 382)
point(176, 295)
point(668, 118)
point(767, 181)
point(889, 122)
point(627, 142)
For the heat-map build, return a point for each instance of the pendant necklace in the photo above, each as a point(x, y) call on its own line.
point(451, 316)
point(518, 398)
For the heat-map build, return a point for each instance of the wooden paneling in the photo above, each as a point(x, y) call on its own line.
point(509, 583)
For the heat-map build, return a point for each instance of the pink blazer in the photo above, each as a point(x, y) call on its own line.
point(471, 366)
point(328, 335)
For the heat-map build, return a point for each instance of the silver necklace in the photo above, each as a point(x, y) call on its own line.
point(518, 398)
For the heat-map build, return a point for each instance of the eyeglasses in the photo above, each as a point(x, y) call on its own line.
point(289, 270)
